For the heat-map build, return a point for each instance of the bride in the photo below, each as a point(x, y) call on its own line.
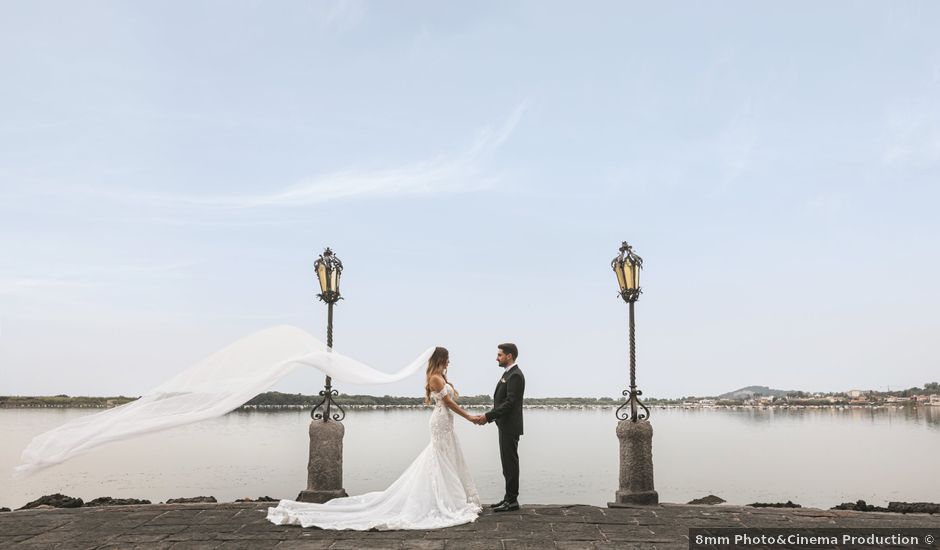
point(435, 491)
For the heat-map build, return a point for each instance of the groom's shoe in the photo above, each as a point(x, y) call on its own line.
point(507, 507)
point(498, 504)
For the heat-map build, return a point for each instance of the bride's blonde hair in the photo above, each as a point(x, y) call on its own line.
point(437, 364)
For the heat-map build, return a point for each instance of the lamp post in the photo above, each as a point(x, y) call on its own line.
point(627, 266)
point(329, 268)
point(325, 463)
point(633, 429)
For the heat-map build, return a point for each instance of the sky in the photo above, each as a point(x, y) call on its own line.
point(169, 172)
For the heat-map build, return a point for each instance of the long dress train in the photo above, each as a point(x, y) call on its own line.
point(435, 491)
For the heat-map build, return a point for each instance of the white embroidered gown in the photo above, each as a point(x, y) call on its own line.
point(435, 491)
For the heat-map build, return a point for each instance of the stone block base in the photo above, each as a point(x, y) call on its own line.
point(643, 498)
point(320, 496)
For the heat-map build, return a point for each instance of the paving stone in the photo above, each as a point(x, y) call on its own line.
point(275, 536)
point(137, 537)
point(465, 536)
point(56, 536)
point(528, 543)
point(423, 545)
point(29, 525)
point(195, 545)
point(160, 528)
point(305, 544)
point(215, 516)
point(574, 545)
point(486, 544)
point(623, 546)
point(201, 532)
point(175, 516)
point(576, 532)
point(76, 545)
point(137, 546)
point(7, 540)
point(371, 544)
point(254, 544)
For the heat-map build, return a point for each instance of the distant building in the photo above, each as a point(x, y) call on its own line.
point(857, 393)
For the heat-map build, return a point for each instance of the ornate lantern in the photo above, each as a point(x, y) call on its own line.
point(329, 268)
point(627, 266)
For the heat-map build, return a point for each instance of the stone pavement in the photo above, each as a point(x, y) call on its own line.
point(243, 525)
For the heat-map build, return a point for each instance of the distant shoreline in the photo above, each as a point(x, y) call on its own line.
point(262, 403)
point(273, 401)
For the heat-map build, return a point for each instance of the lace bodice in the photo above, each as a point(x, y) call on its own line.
point(437, 398)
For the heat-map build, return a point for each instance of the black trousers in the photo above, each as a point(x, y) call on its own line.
point(509, 456)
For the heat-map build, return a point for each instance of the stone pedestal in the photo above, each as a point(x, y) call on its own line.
point(325, 467)
point(636, 465)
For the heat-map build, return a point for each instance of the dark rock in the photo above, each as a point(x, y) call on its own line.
point(57, 500)
point(787, 504)
point(914, 507)
point(710, 499)
point(190, 500)
point(108, 501)
point(860, 506)
point(259, 499)
point(4, 509)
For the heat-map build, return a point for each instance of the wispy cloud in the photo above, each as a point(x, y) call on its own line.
point(913, 130)
point(15, 286)
point(456, 173)
point(344, 15)
point(88, 277)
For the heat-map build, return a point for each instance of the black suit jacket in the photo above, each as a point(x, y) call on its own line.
point(507, 402)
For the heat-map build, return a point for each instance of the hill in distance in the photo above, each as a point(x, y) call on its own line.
point(751, 391)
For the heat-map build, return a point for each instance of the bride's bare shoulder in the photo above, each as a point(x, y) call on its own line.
point(436, 381)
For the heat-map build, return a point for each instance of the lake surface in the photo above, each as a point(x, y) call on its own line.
point(814, 457)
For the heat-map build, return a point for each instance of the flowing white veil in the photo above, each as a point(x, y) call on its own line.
point(213, 387)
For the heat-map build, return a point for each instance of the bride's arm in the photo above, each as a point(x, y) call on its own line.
point(452, 405)
point(437, 384)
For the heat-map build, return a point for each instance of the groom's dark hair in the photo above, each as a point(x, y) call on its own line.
point(510, 349)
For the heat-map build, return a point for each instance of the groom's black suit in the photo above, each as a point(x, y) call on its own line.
point(507, 413)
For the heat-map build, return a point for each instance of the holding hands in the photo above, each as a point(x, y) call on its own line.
point(479, 420)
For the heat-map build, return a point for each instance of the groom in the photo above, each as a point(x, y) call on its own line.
point(507, 413)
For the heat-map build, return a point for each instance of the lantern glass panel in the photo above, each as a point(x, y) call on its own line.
point(629, 275)
point(636, 276)
point(619, 272)
point(334, 280)
point(321, 275)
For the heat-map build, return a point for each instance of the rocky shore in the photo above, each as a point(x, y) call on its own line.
point(59, 500)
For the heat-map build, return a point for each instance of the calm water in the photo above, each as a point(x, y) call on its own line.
point(814, 457)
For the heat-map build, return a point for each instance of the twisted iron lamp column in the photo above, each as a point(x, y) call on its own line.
point(633, 394)
point(328, 392)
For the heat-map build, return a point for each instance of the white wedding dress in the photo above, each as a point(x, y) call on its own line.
point(435, 491)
